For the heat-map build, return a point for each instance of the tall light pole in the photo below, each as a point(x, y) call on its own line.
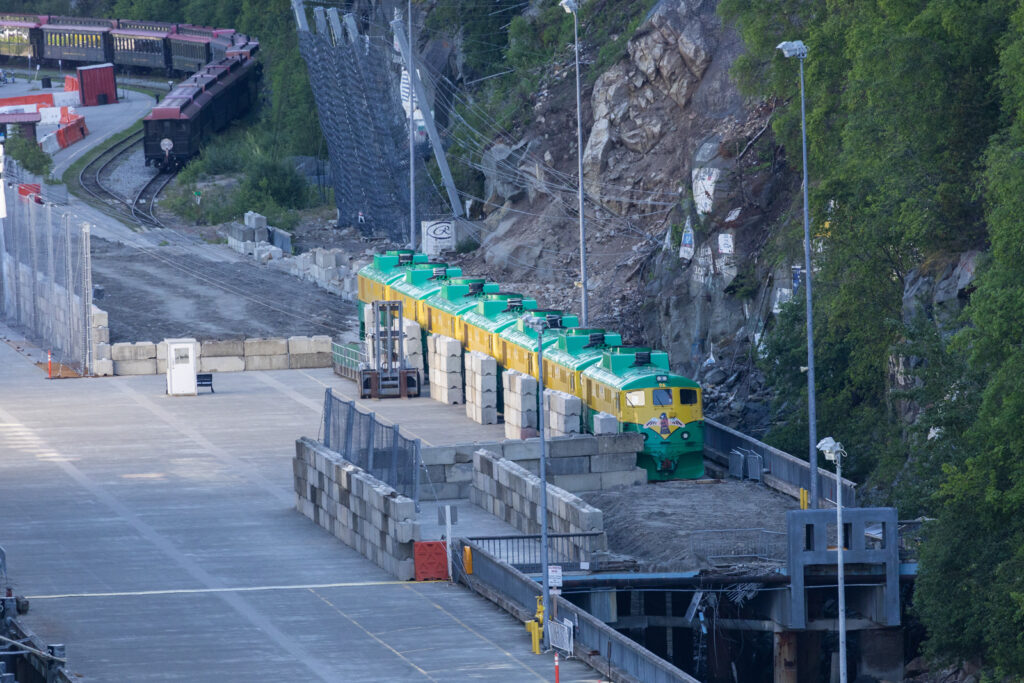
point(538, 325)
point(834, 452)
point(571, 7)
point(412, 146)
point(796, 48)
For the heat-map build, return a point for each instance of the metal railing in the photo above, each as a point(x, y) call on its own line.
point(523, 551)
point(730, 546)
point(599, 645)
point(720, 441)
point(376, 447)
point(346, 359)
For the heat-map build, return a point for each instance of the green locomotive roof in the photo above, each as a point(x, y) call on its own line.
point(461, 294)
point(495, 312)
point(423, 280)
point(525, 336)
point(635, 367)
point(389, 266)
point(578, 348)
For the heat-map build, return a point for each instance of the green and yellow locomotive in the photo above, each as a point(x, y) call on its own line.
point(632, 383)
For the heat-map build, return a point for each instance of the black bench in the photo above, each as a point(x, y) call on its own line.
point(205, 379)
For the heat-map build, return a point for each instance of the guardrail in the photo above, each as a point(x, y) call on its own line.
point(599, 645)
point(726, 546)
point(346, 359)
point(522, 551)
point(782, 471)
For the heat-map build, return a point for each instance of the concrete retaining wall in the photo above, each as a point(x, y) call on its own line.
point(510, 492)
point(232, 355)
point(358, 509)
point(581, 463)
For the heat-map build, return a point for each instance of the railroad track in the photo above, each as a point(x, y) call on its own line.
point(139, 208)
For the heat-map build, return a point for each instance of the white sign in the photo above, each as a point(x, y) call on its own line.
point(725, 245)
point(704, 181)
point(555, 575)
point(438, 236)
point(686, 243)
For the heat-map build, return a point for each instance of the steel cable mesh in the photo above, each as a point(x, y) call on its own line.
point(356, 90)
point(379, 449)
point(45, 273)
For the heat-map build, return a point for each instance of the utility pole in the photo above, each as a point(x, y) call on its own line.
point(412, 145)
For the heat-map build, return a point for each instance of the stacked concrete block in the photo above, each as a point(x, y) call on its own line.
point(444, 356)
point(266, 354)
point(255, 220)
point(222, 356)
point(481, 388)
point(446, 473)
point(605, 424)
point(510, 492)
point(102, 361)
point(309, 352)
point(519, 392)
point(413, 334)
point(134, 359)
point(358, 509)
point(564, 413)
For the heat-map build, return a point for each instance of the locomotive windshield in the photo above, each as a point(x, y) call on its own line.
point(662, 397)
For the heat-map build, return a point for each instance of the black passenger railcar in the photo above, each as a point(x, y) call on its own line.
point(77, 43)
point(141, 47)
point(199, 106)
point(188, 52)
point(20, 35)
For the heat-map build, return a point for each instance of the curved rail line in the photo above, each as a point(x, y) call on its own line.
point(112, 203)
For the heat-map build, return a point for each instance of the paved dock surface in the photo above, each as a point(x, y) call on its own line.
point(158, 539)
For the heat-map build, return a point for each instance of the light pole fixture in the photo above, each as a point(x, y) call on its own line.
point(834, 452)
point(539, 325)
point(571, 7)
point(796, 48)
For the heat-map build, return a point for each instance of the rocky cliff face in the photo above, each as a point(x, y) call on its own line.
point(683, 183)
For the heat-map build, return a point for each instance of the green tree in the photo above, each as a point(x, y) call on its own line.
point(28, 153)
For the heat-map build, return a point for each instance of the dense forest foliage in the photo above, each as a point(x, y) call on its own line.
point(284, 124)
point(916, 134)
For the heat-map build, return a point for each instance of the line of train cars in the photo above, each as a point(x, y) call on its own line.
point(222, 86)
point(632, 383)
point(170, 48)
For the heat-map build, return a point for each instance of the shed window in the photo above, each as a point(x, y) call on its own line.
point(636, 399)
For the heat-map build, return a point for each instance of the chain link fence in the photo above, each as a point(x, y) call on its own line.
point(45, 270)
point(377, 448)
point(355, 84)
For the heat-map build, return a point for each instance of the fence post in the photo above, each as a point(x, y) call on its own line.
point(349, 431)
point(370, 446)
point(416, 476)
point(327, 418)
point(394, 456)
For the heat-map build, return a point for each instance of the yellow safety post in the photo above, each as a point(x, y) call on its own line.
point(467, 559)
point(805, 499)
point(535, 626)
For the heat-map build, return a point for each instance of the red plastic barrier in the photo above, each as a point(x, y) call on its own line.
point(70, 83)
point(431, 560)
point(45, 99)
point(25, 189)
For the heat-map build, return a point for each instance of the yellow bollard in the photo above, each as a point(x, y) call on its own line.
point(805, 499)
point(535, 626)
point(467, 559)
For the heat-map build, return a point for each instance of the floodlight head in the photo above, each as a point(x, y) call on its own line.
point(830, 447)
point(792, 48)
point(569, 6)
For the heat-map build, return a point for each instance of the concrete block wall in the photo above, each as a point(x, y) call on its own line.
point(519, 393)
point(481, 388)
point(564, 413)
point(444, 356)
point(102, 361)
point(231, 355)
point(358, 509)
point(579, 463)
point(510, 492)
